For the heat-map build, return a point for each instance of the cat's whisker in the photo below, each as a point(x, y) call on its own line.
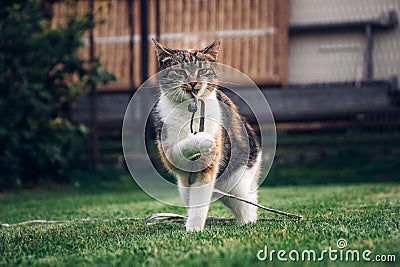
point(171, 89)
point(169, 93)
point(176, 95)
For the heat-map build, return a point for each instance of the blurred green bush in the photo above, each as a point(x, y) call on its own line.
point(41, 76)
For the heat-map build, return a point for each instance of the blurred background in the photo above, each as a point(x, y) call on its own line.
point(328, 68)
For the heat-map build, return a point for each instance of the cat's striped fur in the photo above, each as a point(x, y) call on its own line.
point(228, 147)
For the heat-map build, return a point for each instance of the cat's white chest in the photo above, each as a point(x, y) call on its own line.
point(177, 119)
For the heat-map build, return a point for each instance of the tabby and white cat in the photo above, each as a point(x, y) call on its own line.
point(226, 153)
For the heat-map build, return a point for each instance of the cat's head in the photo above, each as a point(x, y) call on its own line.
point(185, 73)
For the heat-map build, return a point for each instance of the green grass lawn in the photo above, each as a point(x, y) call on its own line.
point(365, 215)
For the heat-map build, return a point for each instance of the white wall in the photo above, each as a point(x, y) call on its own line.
point(339, 57)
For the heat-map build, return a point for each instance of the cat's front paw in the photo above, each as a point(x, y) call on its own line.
point(194, 226)
point(196, 144)
point(205, 142)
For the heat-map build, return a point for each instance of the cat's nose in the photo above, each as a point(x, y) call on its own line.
point(192, 84)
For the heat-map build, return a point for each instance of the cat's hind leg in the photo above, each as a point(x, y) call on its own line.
point(244, 212)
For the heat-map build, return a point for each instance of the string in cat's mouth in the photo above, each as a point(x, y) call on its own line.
point(193, 109)
point(194, 95)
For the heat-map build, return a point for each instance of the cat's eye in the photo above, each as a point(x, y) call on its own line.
point(181, 72)
point(202, 72)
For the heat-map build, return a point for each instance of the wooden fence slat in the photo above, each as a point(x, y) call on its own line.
point(254, 34)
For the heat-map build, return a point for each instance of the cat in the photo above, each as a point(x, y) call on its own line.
point(227, 153)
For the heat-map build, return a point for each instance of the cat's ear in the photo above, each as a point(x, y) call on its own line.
point(212, 49)
point(162, 51)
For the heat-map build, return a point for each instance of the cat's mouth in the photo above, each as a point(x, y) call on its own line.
point(186, 91)
point(194, 89)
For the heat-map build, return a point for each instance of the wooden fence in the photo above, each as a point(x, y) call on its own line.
point(254, 34)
